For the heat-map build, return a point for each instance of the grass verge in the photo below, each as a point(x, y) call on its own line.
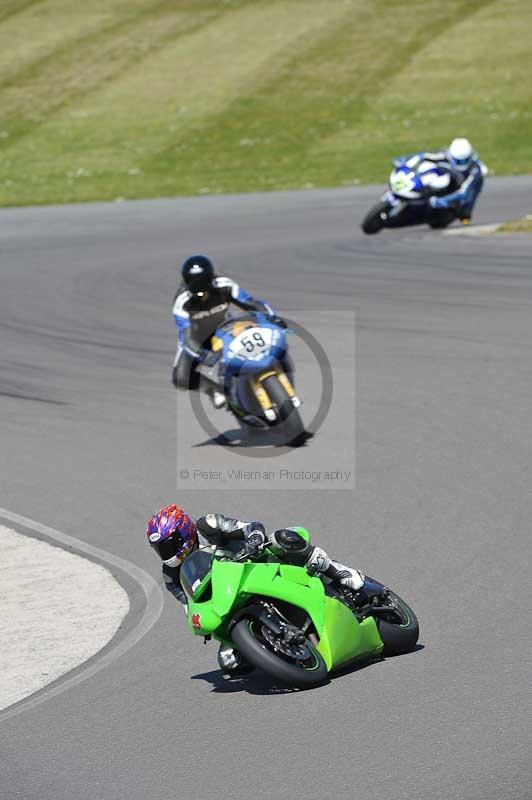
point(523, 225)
point(152, 98)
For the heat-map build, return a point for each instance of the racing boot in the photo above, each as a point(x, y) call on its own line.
point(231, 662)
point(218, 399)
point(211, 388)
point(341, 575)
point(465, 213)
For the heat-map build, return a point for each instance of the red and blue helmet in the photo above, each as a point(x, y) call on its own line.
point(173, 534)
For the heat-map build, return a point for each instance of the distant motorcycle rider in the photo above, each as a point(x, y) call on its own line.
point(200, 306)
point(173, 534)
point(460, 179)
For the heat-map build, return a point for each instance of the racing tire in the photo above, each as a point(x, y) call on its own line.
point(246, 635)
point(399, 635)
point(290, 424)
point(373, 222)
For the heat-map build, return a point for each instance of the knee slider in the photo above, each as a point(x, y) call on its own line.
point(291, 545)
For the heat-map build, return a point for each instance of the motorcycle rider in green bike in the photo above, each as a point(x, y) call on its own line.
point(173, 534)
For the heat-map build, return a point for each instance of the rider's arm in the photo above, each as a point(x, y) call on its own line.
point(400, 160)
point(219, 529)
point(439, 156)
point(182, 321)
point(171, 581)
point(411, 160)
point(239, 297)
point(436, 183)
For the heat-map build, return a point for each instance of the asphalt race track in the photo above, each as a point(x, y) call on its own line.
point(441, 509)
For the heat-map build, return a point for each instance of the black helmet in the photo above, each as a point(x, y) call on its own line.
point(197, 272)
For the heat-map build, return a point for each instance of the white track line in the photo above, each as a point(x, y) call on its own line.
point(150, 615)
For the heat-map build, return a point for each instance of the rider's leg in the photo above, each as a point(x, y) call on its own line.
point(466, 209)
point(185, 376)
point(291, 547)
point(338, 573)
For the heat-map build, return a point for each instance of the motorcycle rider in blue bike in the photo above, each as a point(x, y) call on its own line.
point(200, 306)
point(459, 180)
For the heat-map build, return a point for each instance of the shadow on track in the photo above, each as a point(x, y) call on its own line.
point(237, 439)
point(258, 683)
point(350, 669)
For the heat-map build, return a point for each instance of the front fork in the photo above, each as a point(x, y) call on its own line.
point(396, 205)
point(262, 395)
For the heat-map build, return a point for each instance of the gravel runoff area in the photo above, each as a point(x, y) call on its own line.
point(58, 610)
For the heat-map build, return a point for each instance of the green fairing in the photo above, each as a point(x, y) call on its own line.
point(293, 585)
point(341, 638)
point(343, 635)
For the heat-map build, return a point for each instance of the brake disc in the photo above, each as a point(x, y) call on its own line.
point(288, 646)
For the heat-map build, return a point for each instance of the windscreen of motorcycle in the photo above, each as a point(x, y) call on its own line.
point(194, 570)
point(405, 183)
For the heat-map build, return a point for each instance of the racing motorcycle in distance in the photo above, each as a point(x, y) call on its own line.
point(249, 359)
point(290, 624)
point(406, 202)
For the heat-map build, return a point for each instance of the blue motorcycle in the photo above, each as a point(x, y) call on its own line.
point(411, 183)
point(250, 361)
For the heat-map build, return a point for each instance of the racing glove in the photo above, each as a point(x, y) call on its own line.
point(218, 528)
point(437, 202)
point(254, 542)
point(171, 582)
point(279, 321)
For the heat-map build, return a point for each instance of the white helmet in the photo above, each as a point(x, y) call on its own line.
point(460, 154)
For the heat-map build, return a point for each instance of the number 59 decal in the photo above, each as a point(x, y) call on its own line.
point(252, 343)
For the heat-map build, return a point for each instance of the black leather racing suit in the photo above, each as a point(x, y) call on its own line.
point(196, 320)
point(231, 534)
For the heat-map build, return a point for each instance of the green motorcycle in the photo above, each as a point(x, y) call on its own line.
point(292, 625)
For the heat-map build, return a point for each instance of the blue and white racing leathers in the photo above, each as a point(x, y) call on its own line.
point(450, 186)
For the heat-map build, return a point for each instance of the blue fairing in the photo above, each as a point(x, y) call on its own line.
point(236, 363)
point(417, 183)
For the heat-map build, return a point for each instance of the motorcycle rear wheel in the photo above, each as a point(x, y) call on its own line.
point(400, 630)
point(259, 651)
point(441, 219)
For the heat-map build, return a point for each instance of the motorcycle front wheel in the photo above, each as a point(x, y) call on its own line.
point(373, 222)
point(293, 664)
point(290, 425)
